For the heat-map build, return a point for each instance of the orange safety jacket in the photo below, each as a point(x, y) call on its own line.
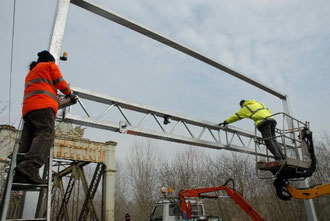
point(41, 85)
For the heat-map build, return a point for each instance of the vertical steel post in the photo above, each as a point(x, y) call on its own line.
point(55, 47)
point(309, 204)
point(56, 38)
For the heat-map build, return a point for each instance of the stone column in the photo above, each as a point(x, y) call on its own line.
point(109, 183)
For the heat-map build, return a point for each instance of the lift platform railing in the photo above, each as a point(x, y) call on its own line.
point(291, 134)
point(288, 134)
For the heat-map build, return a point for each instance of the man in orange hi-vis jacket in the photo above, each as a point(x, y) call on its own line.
point(40, 105)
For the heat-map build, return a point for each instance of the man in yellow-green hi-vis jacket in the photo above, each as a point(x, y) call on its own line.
point(264, 122)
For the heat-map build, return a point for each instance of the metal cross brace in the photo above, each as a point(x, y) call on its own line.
point(182, 129)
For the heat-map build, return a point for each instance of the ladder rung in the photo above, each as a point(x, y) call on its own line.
point(28, 219)
point(28, 186)
point(18, 154)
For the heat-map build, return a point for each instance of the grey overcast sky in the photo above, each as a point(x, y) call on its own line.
point(284, 44)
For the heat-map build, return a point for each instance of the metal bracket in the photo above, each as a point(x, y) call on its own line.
point(123, 127)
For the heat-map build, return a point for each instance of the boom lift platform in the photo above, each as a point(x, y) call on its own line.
point(297, 140)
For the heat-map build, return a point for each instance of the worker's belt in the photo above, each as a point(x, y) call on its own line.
point(41, 92)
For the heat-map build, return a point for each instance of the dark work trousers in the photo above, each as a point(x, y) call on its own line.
point(267, 129)
point(37, 137)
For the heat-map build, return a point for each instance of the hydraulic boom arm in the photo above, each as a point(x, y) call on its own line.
point(236, 196)
point(309, 193)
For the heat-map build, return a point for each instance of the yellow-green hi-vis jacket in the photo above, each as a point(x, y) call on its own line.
point(252, 109)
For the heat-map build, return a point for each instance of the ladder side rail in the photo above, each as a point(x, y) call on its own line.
point(52, 202)
point(9, 182)
point(49, 187)
point(47, 174)
point(41, 194)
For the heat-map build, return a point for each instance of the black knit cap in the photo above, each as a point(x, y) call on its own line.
point(45, 56)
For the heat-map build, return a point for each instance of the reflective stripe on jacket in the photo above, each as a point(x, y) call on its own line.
point(252, 109)
point(41, 85)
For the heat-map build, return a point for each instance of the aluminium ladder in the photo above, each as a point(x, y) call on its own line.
point(10, 186)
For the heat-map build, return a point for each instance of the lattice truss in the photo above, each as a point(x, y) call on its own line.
point(119, 115)
point(73, 194)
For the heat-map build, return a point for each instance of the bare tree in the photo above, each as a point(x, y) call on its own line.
point(145, 172)
point(142, 172)
point(122, 188)
point(322, 176)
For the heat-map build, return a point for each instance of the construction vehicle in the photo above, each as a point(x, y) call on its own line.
point(167, 209)
point(188, 205)
point(297, 139)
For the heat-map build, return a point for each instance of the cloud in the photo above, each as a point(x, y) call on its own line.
point(284, 44)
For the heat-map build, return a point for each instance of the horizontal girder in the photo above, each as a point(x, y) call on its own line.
point(209, 135)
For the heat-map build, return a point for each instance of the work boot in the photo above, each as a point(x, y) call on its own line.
point(20, 178)
point(36, 179)
point(31, 171)
point(22, 169)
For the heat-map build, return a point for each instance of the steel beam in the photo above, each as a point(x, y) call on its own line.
point(106, 125)
point(141, 108)
point(231, 133)
point(56, 39)
point(101, 11)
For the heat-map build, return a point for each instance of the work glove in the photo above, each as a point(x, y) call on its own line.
point(225, 123)
point(73, 98)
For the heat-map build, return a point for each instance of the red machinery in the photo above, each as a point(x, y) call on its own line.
point(236, 196)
